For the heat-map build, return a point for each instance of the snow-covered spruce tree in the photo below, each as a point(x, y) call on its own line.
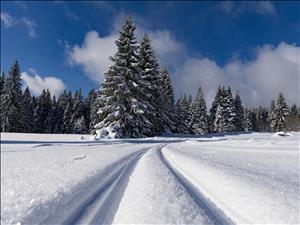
point(279, 115)
point(41, 111)
point(51, 119)
point(11, 101)
point(239, 109)
point(88, 102)
point(2, 80)
point(199, 120)
point(78, 109)
point(27, 112)
point(61, 106)
point(121, 93)
point(80, 126)
point(182, 111)
point(151, 85)
point(168, 101)
point(248, 125)
point(293, 121)
point(66, 127)
point(225, 113)
point(262, 120)
point(213, 110)
point(95, 117)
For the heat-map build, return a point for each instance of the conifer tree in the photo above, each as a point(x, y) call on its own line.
point(67, 126)
point(182, 111)
point(213, 109)
point(51, 119)
point(27, 111)
point(199, 120)
point(61, 106)
point(2, 80)
point(151, 85)
point(41, 111)
point(80, 126)
point(122, 94)
point(88, 102)
point(239, 109)
point(168, 101)
point(95, 117)
point(262, 124)
point(293, 121)
point(11, 101)
point(248, 125)
point(78, 108)
point(279, 115)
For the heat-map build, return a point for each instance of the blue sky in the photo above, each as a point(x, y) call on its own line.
point(248, 45)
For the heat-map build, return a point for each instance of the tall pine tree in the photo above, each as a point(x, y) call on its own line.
point(167, 101)
point(27, 112)
point(239, 109)
point(122, 90)
point(41, 111)
point(279, 115)
point(11, 117)
point(199, 120)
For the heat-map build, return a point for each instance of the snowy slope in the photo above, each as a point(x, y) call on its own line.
point(72, 179)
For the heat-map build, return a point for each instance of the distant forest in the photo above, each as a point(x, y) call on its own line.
point(135, 100)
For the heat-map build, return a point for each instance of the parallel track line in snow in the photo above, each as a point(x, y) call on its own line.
point(99, 207)
point(99, 203)
point(214, 213)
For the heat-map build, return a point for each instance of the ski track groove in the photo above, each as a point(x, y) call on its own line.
point(211, 210)
point(99, 205)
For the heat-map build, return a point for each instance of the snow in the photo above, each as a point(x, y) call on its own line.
point(253, 180)
point(38, 170)
point(55, 179)
point(153, 196)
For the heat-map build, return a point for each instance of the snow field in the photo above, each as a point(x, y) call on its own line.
point(250, 180)
point(37, 178)
point(73, 179)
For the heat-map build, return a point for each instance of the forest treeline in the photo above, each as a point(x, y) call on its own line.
point(135, 100)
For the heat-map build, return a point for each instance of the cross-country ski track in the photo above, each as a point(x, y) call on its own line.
point(178, 180)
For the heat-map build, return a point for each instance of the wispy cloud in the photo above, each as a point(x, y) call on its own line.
point(30, 25)
point(21, 4)
point(7, 19)
point(236, 8)
point(10, 21)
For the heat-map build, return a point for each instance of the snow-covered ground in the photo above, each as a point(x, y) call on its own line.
point(73, 179)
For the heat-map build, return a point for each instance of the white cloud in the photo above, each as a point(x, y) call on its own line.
point(10, 21)
point(36, 83)
point(274, 70)
point(7, 19)
point(93, 55)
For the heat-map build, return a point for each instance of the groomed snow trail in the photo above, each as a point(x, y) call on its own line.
point(97, 203)
point(253, 181)
point(215, 214)
point(155, 196)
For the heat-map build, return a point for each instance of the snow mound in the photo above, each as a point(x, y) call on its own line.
point(106, 132)
point(281, 134)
